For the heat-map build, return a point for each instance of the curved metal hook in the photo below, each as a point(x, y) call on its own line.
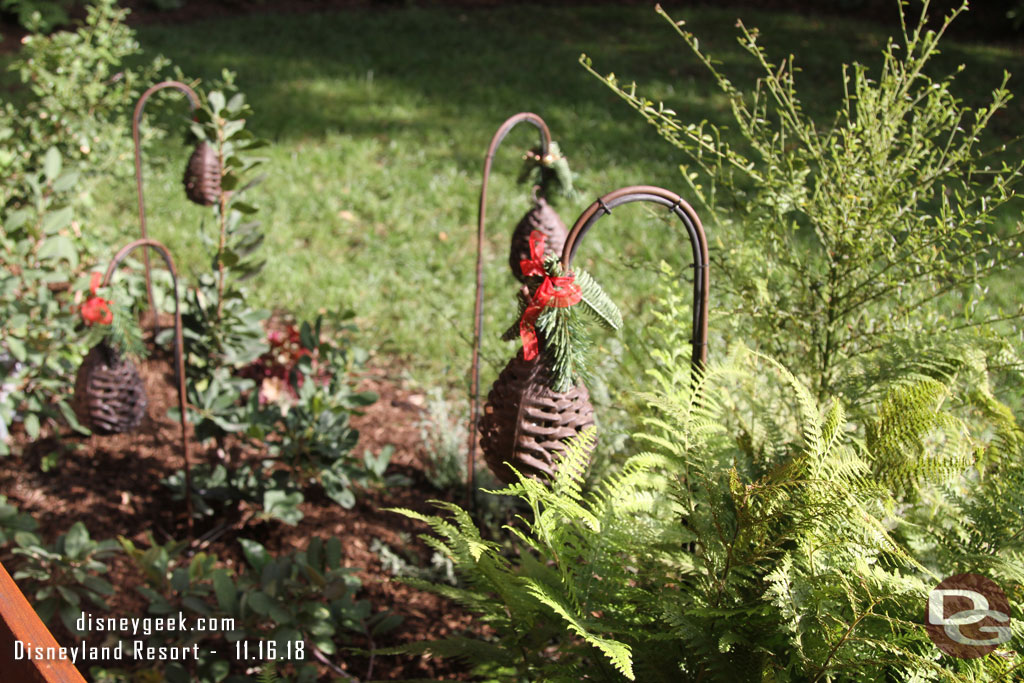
point(478, 309)
point(193, 103)
point(179, 356)
point(698, 245)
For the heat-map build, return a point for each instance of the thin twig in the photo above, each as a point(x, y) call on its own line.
point(322, 658)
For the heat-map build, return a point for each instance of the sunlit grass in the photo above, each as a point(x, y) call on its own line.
point(378, 123)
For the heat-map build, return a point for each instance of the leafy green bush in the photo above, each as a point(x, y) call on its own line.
point(874, 231)
point(62, 576)
point(82, 92)
point(68, 135)
point(40, 343)
point(295, 603)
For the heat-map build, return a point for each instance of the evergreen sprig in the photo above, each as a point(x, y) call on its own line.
point(565, 340)
point(551, 174)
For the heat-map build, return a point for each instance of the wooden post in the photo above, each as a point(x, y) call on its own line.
point(19, 622)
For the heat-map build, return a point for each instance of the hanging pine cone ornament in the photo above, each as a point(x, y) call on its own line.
point(526, 423)
point(202, 175)
point(539, 401)
point(545, 220)
point(109, 395)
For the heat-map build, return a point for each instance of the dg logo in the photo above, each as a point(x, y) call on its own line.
point(968, 616)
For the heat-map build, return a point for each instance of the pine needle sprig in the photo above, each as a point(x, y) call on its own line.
point(566, 342)
point(597, 303)
point(551, 174)
point(125, 333)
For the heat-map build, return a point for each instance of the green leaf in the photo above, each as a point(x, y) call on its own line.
point(52, 164)
point(283, 505)
point(59, 248)
point(76, 541)
point(255, 553)
point(55, 221)
point(224, 588)
point(216, 100)
point(32, 426)
point(17, 348)
point(260, 603)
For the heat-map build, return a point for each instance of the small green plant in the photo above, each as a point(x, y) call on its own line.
point(296, 604)
point(14, 523)
point(61, 577)
point(444, 440)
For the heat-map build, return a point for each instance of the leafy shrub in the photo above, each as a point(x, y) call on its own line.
point(444, 437)
point(299, 603)
point(66, 136)
point(40, 16)
point(854, 238)
point(41, 345)
point(302, 423)
point(82, 92)
point(62, 576)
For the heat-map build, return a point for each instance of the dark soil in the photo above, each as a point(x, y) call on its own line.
point(113, 483)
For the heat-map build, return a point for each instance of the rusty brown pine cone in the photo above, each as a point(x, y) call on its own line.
point(202, 175)
point(526, 423)
point(109, 394)
point(543, 218)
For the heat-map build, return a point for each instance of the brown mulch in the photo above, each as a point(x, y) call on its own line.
point(113, 484)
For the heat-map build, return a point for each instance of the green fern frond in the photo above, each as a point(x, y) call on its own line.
point(617, 653)
point(268, 672)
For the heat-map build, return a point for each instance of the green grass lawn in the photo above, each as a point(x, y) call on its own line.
point(378, 123)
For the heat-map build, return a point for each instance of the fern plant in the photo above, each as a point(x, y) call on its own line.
point(757, 539)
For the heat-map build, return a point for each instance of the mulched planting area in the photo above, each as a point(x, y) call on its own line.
point(113, 484)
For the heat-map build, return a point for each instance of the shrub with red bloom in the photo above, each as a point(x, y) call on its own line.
point(278, 368)
point(96, 309)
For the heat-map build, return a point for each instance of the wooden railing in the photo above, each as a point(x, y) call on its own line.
point(20, 629)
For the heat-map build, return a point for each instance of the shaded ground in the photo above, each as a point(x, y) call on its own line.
point(986, 21)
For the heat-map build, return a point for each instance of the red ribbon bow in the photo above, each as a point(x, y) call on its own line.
point(558, 292)
point(535, 264)
point(96, 309)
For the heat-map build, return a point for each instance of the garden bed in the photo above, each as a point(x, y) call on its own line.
point(113, 483)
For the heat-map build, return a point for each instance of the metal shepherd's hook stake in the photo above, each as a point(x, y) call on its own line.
point(179, 353)
point(193, 103)
point(478, 309)
point(698, 245)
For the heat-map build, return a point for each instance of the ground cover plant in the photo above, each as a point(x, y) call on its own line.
point(721, 547)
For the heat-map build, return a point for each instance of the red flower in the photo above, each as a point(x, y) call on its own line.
point(96, 309)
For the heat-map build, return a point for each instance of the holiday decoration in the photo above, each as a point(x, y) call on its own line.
point(526, 423)
point(539, 400)
point(202, 175)
point(109, 394)
point(547, 171)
